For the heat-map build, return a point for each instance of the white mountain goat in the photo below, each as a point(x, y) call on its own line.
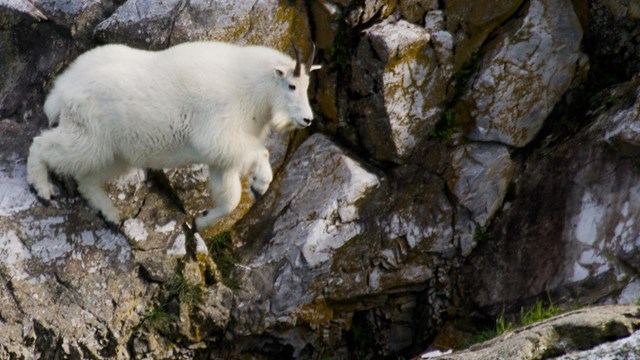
point(204, 102)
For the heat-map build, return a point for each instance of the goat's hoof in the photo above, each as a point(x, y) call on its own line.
point(256, 194)
point(41, 200)
point(114, 227)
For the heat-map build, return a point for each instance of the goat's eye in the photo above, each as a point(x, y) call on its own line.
point(292, 87)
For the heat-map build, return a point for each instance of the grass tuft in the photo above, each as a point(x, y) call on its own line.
point(534, 314)
point(221, 251)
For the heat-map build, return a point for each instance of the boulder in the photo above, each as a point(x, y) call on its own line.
point(149, 24)
point(399, 76)
point(471, 23)
point(291, 236)
point(564, 334)
point(524, 72)
point(478, 177)
point(570, 227)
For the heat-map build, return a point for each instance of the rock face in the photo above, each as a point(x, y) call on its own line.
point(399, 59)
point(467, 159)
point(590, 205)
point(525, 71)
point(564, 334)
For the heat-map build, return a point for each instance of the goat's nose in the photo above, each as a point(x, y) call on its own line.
point(307, 121)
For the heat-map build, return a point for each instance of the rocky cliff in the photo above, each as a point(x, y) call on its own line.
point(469, 159)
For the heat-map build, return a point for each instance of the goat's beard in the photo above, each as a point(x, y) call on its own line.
point(282, 123)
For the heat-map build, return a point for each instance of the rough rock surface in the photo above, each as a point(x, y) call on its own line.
point(590, 205)
point(309, 214)
point(447, 185)
point(151, 24)
point(400, 78)
point(524, 72)
point(578, 330)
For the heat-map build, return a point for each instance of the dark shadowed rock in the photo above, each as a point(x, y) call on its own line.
point(571, 227)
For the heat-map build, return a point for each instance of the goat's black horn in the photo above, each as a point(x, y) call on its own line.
point(311, 57)
point(296, 71)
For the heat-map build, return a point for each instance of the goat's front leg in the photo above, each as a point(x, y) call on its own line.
point(226, 190)
point(262, 173)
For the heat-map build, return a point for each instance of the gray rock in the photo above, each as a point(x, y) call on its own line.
point(79, 16)
point(625, 348)
point(22, 6)
point(149, 24)
point(398, 74)
point(478, 176)
point(577, 330)
point(305, 217)
point(525, 71)
point(570, 228)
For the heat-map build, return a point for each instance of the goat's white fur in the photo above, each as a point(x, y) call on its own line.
point(204, 102)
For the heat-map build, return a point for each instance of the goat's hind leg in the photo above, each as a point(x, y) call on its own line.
point(90, 187)
point(37, 165)
point(226, 191)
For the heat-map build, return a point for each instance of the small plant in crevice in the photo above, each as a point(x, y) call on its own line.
point(184, 290)
point(177, 290)
point(536, 313)
point(159, 319)
point(444, 128)
point(221, 251)
point(339, 52)
point(461, 77)
point(481, 235)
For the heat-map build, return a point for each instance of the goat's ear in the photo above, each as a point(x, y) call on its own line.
point(280, 71)
point(315, 67)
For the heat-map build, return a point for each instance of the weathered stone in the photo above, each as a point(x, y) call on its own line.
point(524, 72)
point(434, 21)
point(570, 228)
point(397, 73)
point(22, 6)
point(577, 330)
point(472, 22)
point(158, 25)
point(478, 177)
point(311, 212)
point(625, 348)
point(79, 16)
point(414, 10)
point(66, 275)
point(325, 21)
point(370, 9)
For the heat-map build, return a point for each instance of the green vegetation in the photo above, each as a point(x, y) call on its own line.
point(446, 126)
point(339, 52)
point(159, 319)
point(184, 290)
point(536, 313)
point(461, 77)
point(221, 251)
point(179, 288)
point(481, 235)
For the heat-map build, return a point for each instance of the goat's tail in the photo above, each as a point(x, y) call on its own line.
point(52, 108)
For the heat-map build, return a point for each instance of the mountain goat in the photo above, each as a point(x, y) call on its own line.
point(203, 102)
